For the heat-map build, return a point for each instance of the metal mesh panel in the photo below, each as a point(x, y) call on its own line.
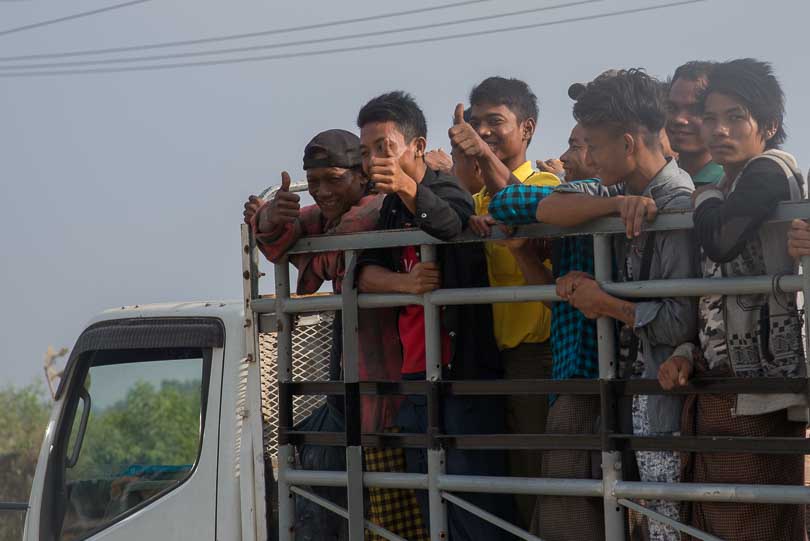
point(312, 342)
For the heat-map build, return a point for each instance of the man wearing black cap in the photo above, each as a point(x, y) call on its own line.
point(343, 204)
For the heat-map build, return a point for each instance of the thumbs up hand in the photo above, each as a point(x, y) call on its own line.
point(386, 173)
point(284, 208)
point(464, 137)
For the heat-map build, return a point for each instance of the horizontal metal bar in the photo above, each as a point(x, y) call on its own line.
point(705, 444)
point(340, 511)
point(548, 386)
point(684, 287)
point(715, 385)
point(713, 492)
point(377, 388)
point(694, 532)
point(704, 492)
point(715, 444)
point(666, 221)
point(413, 481)
point(489, 517)
point(338, 439)
point(521, 485)
point(13, 506)
point(522, 441)
point(324, 303)
point(520, 387)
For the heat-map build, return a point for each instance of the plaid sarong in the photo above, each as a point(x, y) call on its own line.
point(710, 415)
point(396, 510)
point(565, 518)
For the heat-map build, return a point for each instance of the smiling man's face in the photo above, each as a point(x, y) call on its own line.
point(498, 126)
point(335, 189)
point(684, 120)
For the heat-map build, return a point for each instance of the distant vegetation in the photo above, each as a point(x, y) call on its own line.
point(150, 426)
point(23, 417)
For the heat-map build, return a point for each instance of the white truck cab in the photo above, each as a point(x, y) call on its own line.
point(155, 433)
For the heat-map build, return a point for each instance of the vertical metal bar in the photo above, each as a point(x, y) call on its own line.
point(351, 378)
point(433, 373)
point(611, 460)
point(252, 455)
point(284, 358)
point(805, 300)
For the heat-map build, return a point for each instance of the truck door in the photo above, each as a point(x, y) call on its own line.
point(134, 456)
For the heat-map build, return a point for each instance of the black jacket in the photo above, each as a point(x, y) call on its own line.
point(443, 209)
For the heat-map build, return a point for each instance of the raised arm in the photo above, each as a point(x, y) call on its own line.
point(495, 173)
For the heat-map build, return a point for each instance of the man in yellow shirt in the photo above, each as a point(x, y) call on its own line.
point(504, 114)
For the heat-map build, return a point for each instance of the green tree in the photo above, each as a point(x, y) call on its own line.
point(23, 418)
point(149, 427)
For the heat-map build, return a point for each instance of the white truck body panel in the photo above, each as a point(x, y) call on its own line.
point(208, 504)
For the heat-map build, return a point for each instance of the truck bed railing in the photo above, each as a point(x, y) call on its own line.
point(616, 493)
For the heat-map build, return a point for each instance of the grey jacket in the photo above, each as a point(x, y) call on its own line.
point(664, 323)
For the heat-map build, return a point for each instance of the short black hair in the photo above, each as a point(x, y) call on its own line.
point(753, 83)
point(628, 100)
point(398, 107)
point(694, 70)
point(513, 93)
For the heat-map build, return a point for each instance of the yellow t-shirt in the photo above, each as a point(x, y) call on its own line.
point(518, 322)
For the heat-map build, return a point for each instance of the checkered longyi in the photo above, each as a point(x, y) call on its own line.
point(396, 510)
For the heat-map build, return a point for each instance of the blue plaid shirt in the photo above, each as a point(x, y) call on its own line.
point(573, 336)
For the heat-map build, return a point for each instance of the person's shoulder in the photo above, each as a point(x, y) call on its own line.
point(440, 177)
point(372, 200)
point(448, 185)
point(764, 165)
point(588, 186)
point(542, 178)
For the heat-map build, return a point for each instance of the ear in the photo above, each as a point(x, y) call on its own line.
point(769, 131)
point(528, 127)
point(419, 147)
point(630, 144)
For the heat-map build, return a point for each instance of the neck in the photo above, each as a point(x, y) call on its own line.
point(648, 165)
point(692, 163)
point(732, 170)
point(515, 161)
point(418, 172)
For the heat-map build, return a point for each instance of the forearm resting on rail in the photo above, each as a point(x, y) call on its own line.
point(570, 209)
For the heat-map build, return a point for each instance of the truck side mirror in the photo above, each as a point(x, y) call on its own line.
point(77, 444)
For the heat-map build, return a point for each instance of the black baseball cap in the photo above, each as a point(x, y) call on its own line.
point(576, 90)
point(333, 148)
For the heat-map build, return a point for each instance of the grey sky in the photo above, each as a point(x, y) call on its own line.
point(127, 188)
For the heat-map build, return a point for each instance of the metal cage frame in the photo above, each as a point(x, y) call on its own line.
point(440, 486)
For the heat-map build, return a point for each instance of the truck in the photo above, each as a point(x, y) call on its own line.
point(178, 421)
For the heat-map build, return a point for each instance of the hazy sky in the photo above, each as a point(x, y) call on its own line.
point(127, 188)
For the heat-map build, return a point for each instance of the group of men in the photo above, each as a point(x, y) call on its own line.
point(707, 140)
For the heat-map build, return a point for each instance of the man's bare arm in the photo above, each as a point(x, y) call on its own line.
point(494, 172)
point(531, 266)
